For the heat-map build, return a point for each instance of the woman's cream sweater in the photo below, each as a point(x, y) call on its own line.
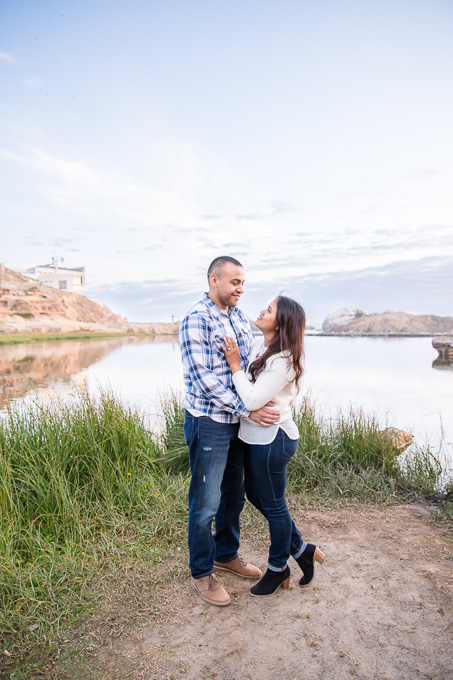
point(275, 383)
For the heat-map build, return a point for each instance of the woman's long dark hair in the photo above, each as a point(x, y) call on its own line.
point(289, 337)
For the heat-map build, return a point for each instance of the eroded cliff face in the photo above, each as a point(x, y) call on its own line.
point(25, 303)
point(27, 306)
point(352, 320)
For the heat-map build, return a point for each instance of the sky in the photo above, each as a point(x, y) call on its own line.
point(311, 141)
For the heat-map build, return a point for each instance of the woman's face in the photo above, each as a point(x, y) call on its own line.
point(266, 320)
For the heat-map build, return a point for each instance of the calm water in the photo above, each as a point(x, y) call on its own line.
point(397, 379)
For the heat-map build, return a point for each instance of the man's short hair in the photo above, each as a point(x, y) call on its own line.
point(217, 265)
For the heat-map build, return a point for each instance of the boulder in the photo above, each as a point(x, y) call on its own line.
point(444, 345)
point(338, 320)
point(399, 439)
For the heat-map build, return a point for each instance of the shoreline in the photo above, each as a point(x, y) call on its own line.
point(162, 329)
point(86, 331)
point(352, 334)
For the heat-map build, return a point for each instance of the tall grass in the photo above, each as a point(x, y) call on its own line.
point(346, 456)
point(75, 477)
point(81, 479)
point(350, 456)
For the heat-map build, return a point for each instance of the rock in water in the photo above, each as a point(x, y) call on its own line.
point(398, 438)
point(337, 320)
point(354, 321)
point(444, 345)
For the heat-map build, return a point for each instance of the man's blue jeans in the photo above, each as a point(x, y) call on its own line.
point(216, 457)
point(265, 475)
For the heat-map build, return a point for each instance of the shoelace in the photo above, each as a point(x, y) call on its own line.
point(212, 582)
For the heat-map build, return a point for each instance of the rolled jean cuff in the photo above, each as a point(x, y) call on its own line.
point(299, 553)
point(272, 568)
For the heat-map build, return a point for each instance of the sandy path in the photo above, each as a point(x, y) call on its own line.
point(379, 608)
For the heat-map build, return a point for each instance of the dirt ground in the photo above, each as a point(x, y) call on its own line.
point(379, 608)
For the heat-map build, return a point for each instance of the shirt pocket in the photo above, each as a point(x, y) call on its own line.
point(217, 339)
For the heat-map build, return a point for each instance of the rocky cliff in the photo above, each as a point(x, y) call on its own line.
point(27, 306)
point(354, 320)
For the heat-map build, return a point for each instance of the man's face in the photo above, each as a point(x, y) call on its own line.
point(226, 288)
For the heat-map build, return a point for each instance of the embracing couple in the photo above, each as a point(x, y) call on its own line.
point(240, 432)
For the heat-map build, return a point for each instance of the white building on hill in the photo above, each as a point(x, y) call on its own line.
point(69, 280)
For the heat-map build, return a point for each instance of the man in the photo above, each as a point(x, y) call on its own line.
point(211, 426)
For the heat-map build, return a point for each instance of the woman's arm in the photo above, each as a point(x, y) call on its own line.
point(268, 383)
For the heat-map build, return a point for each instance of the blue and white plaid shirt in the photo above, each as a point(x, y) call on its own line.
point(207, 376)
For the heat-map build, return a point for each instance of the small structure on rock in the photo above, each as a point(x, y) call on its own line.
point(61, 278)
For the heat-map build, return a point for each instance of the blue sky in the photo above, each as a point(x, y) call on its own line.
point(312, 141)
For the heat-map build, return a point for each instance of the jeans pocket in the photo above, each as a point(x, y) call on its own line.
point(289, 446)
point(188, 428)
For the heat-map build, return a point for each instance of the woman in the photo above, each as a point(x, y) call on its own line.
point(273, 374)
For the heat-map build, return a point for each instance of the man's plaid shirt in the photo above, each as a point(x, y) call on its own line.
point(207, 376)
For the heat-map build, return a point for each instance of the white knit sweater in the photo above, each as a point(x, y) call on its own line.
point(275, 383)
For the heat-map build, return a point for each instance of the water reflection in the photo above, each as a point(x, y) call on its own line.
point(443, 364)
point(28, 367)
point(391, 378)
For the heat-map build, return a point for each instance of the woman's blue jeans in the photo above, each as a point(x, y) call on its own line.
point(265, 483)
point(217, 490)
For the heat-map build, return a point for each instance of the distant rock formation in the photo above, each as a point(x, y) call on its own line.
point(340, 318)
point(352, 320)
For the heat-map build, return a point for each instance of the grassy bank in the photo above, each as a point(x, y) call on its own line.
point(346, 457)
point(85, 488)
point(41, 337)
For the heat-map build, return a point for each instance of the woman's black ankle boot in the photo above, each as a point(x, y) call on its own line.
point(270, 582)
point(306, 562)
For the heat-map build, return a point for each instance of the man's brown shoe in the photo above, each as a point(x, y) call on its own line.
point(240, 568)
point(210, 590)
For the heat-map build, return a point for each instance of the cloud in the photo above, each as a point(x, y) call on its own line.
point(275, 210)
point(421, 287)
point(61, 242)
point(148, 301)
point(4, 56)
point(36, 81)
point(416, 287)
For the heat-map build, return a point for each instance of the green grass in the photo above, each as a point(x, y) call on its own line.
point(41, 337)
point(344, 457)
point(76, 478)
point(349, 457)
point(85, 487)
